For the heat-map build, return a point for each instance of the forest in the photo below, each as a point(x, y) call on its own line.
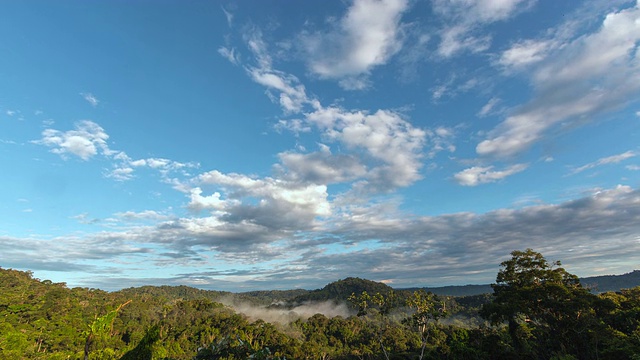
point(536, 310)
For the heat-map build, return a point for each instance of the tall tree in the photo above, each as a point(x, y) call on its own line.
point(428, 309)
point(547, 310)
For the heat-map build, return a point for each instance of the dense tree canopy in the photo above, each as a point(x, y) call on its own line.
point(537, 311)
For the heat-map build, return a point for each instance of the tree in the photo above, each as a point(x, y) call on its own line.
point(385, 303)
point(100, 327)
point(427, 309)
point(542, 302)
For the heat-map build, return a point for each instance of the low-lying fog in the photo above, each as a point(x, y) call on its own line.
point(284, 316)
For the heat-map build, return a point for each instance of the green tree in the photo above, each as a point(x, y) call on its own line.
point(383, 305)
point(101, 327)
point(547, 311)
point(427, 309)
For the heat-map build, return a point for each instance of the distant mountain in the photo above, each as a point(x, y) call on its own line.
point(340, 290)
point(597, 284)
point(606, 283)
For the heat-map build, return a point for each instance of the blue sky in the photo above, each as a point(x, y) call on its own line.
point(277, 145)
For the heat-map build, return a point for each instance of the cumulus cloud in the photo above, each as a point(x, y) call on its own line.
point(124, 166)
point(485, 174)
point(88, 139)
point(85, 141)
point(387, 144)
point(384, 136)
point(266, 202)
point(321, 167)
point(212, 202)
point(367, 36)
point(579, 80)
point(598, 229)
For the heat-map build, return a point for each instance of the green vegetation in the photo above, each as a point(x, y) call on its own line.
point(537, 311)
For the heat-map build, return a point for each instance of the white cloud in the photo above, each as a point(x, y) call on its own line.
point(525, 53)
point(296, 126)
point(488, 107)
point(211, 202)
point(384, 135)
point(375, 242)
point(142, 215)
point(464, 18)
point(292, 95)
point(367, 36)
point(84, 141)
point(124, 166)
point(485, 11)
point(263, 201)
point(90, 98)
point(485, 174)
point(454, 86)
point(456, 39)
point(121, 173)
point(321, 167)
point(633, 167)
point(441, 139)
point(228, 15)
point(355, 83)
point(602, 76)
point(229, 54)
point(614, 159)
point(392, 146)
point(89, 139)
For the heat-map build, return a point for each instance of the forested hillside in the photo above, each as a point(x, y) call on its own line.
point(537, 311)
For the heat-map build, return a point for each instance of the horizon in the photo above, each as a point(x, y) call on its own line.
point(306, 289)
point(239, 147)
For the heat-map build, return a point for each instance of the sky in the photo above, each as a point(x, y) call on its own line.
point(288, 144)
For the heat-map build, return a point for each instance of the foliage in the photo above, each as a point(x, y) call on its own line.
point(538, 311)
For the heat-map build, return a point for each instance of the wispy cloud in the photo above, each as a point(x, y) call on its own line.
point(228, 15)
point(486, 174)
point(90, 98)
point(229, 54)
point(489, 107)
point(602, 77)
point(465, 17)
point(614, 159)
point(526, 53)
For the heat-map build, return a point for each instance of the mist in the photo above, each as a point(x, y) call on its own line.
point(287, 315)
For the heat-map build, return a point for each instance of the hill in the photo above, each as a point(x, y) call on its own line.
point(340, 290)
point(605, 283)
